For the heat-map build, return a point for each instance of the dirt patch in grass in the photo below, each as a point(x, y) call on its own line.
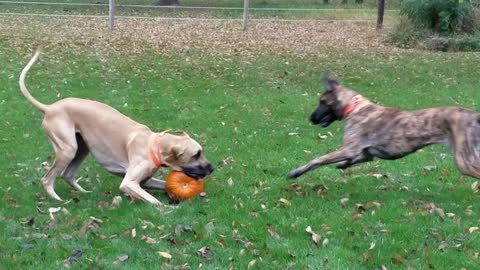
point(214, 37)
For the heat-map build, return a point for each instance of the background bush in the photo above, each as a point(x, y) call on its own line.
point(439, 24)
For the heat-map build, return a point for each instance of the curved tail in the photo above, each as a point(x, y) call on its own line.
point(42, 107)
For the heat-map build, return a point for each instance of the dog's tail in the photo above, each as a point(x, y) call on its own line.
point(42, 107)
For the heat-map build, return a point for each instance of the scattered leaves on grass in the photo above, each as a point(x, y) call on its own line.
point(75, 256)
point(320, 189)
point(315, 236)
point(116, 201)
point(206, 253)
point(469, 211)
point(149, 240)
point(122, 258)
point(53, 210)
point(180, 229)
point(398, 259)
point(343, 202)
point(164, 254)
point(434, 209)
point(271, 230)
point(27, 245)
point(325, 242)
point(230, 182)
point(91, 224)
point(475, 186)
point(473, 229)
point(367, 256)
point(209, 228)
point(282, 202)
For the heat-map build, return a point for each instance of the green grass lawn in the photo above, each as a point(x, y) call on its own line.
point(251, 115)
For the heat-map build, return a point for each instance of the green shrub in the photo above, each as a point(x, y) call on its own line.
point(406, 34)
point(441, 16)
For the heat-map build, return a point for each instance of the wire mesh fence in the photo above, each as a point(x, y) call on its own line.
point(277, 10)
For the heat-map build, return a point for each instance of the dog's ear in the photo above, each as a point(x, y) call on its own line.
point(330, 82)
point(185, 134)
point(172, 155)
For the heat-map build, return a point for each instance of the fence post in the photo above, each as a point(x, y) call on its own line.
point(245, 14)
point(111, 13)
point(381, 11)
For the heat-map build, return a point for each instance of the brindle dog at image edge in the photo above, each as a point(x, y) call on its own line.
point(375, 131)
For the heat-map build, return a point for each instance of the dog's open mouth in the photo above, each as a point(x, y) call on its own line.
point(198, 172)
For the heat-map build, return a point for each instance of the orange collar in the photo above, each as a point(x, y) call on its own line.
point(351, 105)
point(154, 144)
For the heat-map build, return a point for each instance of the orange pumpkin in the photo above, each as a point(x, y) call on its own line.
point(181, 186)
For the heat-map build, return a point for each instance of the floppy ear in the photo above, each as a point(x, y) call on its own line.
point(330, 82)
point(173, 154)
point(183, 133)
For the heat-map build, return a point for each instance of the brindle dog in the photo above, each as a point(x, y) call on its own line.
point(375, 131)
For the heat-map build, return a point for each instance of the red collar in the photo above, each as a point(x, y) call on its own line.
point(154, 144)
point(351, 105)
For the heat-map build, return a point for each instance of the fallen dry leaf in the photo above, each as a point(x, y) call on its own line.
point(315, 236)
point(473, 229)
point(343, 202)
point(283, 201)
point(164, 254)
point(367, 256)
point(53, 210)
point(469, 210)
point(122, 258)
point(206, 253)
point(116, 201)
point(475, 186)
point(230, 182)
point(271, 230)
point(149, 240)
point(325, 242)
point(91, 224)
point(251, 264)
point(76, 254)
point(443, 245)
point(398, 259)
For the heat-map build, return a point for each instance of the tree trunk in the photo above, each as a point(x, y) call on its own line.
point(168, 3)
point(381, 11)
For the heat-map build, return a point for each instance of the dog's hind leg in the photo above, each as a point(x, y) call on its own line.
point(466, 149)
point(69, 173)
point(153, 183)
point(342, 156)
point(62, 137)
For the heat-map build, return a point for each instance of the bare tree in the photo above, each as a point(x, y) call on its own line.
point(381, 11)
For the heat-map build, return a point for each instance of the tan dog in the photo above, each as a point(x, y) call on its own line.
point(122, 146)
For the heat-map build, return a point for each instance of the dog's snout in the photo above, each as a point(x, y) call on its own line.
point(210, 168)
point(314, 118)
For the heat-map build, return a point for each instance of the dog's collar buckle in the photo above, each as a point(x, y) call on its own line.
point(155, 157)
point(351, 105)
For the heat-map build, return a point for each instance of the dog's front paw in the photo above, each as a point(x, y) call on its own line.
point(294, 174)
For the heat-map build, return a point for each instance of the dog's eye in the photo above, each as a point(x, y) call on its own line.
point(197, 155)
